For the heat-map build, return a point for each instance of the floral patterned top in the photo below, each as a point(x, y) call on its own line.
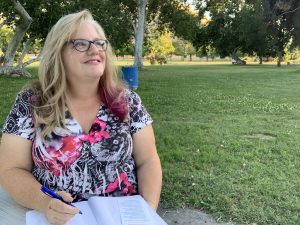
point(97, 163)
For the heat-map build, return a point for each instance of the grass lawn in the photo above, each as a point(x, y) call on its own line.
point(228, 137)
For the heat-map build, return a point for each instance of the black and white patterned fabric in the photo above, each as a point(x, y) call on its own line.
point(97, 163)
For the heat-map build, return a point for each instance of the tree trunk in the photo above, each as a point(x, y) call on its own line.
point(236, 60)
point(139, 34)
point(24, 52)
point(260, 60)
point(14, 71)
point(279, 58)
point(31, 61)
point(15, 41)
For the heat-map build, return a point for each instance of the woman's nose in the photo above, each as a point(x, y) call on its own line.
point(93, 48)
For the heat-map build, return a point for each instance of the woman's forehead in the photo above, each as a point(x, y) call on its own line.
point(87, 29)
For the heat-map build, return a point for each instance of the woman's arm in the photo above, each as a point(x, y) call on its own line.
point(149, 172)
point(17, 180)
point(15, 172)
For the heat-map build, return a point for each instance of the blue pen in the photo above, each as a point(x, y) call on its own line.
point(52, 194)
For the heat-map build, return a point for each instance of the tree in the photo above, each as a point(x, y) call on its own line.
point(17, 37)
point(184, 48)
point(160, 47)
point(139, 34)
point(281, 20)
point(119, 19)
point(16, 14)
point(263, 27)
point(207, 51)
point(45, 13)
point(253, 32)
point(170, 14)
point(221, 32)
point(175, 16)
point(115, 16)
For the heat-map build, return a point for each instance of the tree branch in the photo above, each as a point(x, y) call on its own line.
point(18, 35)
point(24, 52)
point(291, 11)
point(23, 13)
point(31, 61)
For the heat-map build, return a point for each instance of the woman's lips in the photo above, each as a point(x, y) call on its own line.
point(93, 61)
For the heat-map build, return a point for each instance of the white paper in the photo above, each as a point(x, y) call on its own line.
point(133, 212)
point(105, 210)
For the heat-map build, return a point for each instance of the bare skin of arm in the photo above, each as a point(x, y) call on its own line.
point(16, 178)
point(149, 172)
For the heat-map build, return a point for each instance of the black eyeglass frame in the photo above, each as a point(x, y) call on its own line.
point(90, 42)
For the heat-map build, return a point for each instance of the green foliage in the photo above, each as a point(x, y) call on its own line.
point(160, 47)
point(175, 16)
point(292, 55)
point(6, 33)
point(222, 31)
point(281, 21)
point(255, 27)
point(253, 32)
point(127, 49)
point(207, 51)
point(296, 31)
point(183, 47)
point(117, 17)
point(113, 17)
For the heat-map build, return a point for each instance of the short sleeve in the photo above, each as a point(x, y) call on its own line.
point(20, 121)
point(138, 115)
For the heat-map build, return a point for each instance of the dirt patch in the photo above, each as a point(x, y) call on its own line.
point(264, 136)
point(187, 217)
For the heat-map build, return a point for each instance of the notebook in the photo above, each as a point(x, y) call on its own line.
point(128, 210)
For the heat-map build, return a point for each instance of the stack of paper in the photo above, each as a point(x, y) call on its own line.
point(129, 210)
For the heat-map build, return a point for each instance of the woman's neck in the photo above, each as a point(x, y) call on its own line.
point(83, 91)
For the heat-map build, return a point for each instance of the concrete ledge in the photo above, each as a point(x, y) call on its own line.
point(11, 213)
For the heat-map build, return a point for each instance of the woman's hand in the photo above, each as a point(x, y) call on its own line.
point(58, 212)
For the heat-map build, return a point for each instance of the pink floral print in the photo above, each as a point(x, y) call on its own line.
point(97, 163)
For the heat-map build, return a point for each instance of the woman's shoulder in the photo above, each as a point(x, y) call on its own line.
point(131, 96)
point(27, 91)
point(27, 95)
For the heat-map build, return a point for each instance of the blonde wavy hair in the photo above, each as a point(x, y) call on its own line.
point(51, 89)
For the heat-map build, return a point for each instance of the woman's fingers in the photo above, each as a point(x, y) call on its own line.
point(62, 207)
point(65, 195)
point(58, 212)
point(58, 218)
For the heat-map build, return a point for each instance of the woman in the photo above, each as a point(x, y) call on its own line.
point(78, 131)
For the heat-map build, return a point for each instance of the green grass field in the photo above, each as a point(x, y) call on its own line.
point(228, 137)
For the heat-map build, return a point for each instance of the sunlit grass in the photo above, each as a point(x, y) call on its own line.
point(228, 137)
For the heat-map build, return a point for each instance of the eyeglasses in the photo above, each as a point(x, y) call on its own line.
point(83, 45)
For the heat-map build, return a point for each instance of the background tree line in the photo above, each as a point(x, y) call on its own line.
point(254, 27)
point(216, 27)
point(31, 20)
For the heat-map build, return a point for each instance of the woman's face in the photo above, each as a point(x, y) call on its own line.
point(82, 66)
